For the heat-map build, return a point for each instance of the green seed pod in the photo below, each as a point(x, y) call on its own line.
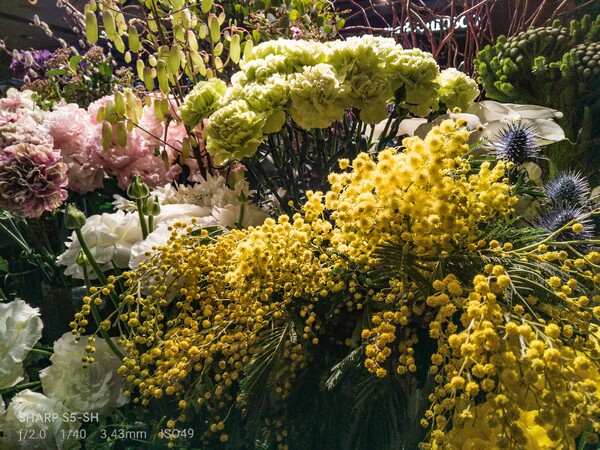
point(161, 75)
point(202, 31)
point(148, 79)
point(133, 40)
point(101, 115)
point(108, 21)
point(218, 49)
point(91, 27)
point(214, 27)
point(174, 60)
point(206, 5)
point(119, 103)
point(179, 33)
point(198, 63)
point(192, 41)
point(234, 48)
point(121, 132)
point(119, 44)
point(139, 65)
point(106, 135)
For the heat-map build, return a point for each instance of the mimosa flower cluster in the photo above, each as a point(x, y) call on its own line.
point(376, 266)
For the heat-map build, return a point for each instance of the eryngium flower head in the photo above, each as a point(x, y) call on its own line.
point(568, 187)
point(560, 215)
point(32, 179)
point(516, 144)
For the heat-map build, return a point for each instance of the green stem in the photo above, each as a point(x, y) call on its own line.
point(39, 351)
point(150, 224)
point(97, 269)
point(143, 223)
point(18, 387)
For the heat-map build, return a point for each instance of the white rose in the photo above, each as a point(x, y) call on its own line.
point(20, 329)
point(109, 236)
point(97, 388)
point(34, 421)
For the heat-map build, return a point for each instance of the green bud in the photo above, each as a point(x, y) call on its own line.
point(138, 190)
point(151, 206)
point(74, 218)
point(81, 259)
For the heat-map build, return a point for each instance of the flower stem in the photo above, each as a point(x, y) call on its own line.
point(97, 269)
point(143, 223)
point(18, 387)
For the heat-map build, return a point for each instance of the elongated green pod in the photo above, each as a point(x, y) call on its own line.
point(121, 132)
point(106, 135)
point(91, 27)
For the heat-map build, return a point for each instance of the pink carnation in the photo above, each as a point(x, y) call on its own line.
point(138, 156)
point(70, 127)
point(32, 179)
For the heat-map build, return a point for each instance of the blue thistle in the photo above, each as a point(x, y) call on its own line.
point(568, 187)
point(516, 144)
point(561, 214)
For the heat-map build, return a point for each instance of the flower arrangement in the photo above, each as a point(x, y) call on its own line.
point(300, 242)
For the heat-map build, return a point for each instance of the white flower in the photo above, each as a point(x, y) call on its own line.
point(97, 388)
point(244, 215)
point(40, 420)
point(109, 236)
point(20, 329)
point(161, 234)
point(494, 117)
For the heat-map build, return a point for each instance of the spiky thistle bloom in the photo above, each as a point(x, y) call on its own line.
point(33, 179)
point(560, 215)
point(568, 187)
point(516, 143)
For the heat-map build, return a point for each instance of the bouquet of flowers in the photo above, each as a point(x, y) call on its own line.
point(294, 244)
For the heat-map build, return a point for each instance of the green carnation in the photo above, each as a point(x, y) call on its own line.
point(370, 93)
point(456, 89)
point(202, 101)
point(298, 53)
point(318, 98)
point(417, 72)
point(352, 56)
point(234, 131)
point(261, 69)
point(271, 98)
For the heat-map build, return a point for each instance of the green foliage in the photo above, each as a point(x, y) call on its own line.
point(556, 66)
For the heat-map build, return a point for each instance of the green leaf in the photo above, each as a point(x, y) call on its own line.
point(3, 265)
point(56, 72)
point(74, 62)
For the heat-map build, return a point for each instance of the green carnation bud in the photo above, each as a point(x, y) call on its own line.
point(151, 206)
point(138, 189)
point(456, 90)
point(74, 218)
point(202, 101)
